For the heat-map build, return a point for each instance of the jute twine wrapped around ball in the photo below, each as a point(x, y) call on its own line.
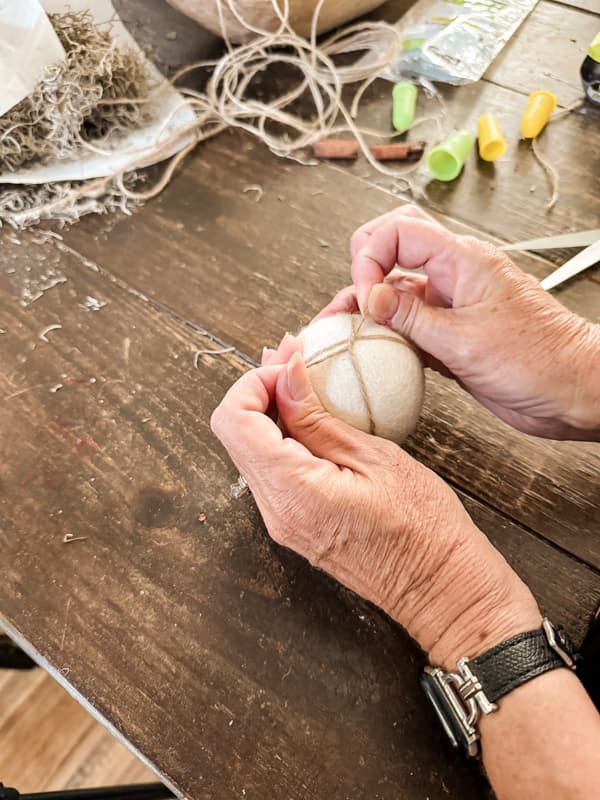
point(365, 374)
point(239, 19)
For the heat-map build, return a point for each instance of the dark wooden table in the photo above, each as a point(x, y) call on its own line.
point(230, 664)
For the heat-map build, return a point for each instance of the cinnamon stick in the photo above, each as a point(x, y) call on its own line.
point(336, 148)
point(348, 149)
point(398, 151)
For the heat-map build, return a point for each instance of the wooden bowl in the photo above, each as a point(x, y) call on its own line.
point(260, 14)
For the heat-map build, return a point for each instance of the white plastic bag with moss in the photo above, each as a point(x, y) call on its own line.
point(28, 44)
point(65, 140)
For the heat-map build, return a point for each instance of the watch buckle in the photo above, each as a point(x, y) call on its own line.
point(459, 699)
point(555, 643)
point(471, 689)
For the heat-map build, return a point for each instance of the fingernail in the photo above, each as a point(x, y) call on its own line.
point(383, 302)
point(298, 384)
point(267, 357)
point(361, 303)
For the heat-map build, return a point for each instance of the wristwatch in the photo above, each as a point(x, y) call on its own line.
point(459, 698)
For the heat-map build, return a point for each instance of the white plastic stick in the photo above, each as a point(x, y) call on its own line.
point(573, 266)
point(578, 239)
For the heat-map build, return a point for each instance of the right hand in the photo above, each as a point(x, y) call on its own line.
point(479, 319)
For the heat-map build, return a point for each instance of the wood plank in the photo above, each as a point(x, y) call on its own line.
point(507, 199)
point(512, 193)
point(582, 5)
point(546, 52)
point(219, 655)
point(168, 37)
point(249, 271)
point(49, 743)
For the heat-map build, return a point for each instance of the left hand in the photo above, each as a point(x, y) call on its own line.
point(362, 509)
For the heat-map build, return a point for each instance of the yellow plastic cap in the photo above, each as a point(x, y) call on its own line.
point(594, 51)
point(540, 106)
point(492, 144)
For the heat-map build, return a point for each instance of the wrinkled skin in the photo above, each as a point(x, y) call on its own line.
point(360, 507)
point(476, 317)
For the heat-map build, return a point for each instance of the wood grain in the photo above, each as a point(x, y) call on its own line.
point(234, 667)
point(581, 5)
point(49, 743)
point(547, 51)
point(508, 198)
point(171, 39)
point(220, 656)
point(231, 269)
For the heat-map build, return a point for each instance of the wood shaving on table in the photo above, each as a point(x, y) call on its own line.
point(68, 537)
point(208, 352)
point(43, 334)
point(254, 187)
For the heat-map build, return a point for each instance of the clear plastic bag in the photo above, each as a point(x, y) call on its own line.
point(455, 41)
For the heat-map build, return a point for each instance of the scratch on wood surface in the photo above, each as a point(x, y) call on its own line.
point(43, 334)
point(64, 633)
point(22, 391)
point(78, 451)
point(126, 348)
point(108, 383)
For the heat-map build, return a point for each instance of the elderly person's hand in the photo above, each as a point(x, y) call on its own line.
point(381, 523)
point(387, 527)
point(366, 512)
point(478, 318)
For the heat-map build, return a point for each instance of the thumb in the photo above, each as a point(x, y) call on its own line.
point(429, 327)
point(309, 423)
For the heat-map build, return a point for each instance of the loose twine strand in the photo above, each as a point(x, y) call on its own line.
point(359, 375)
point(546, 165)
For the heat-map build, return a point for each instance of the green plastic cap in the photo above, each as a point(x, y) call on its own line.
point(404, 103)
point(445, 161)
point(594, 51)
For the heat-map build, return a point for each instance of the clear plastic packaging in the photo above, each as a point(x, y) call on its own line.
point(454, 41)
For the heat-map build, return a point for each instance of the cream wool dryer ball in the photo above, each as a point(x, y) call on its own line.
point(365, 374)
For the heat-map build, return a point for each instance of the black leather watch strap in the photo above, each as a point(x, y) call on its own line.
point(514, 662)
